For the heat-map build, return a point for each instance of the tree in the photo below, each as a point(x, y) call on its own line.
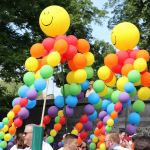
point(134, 11)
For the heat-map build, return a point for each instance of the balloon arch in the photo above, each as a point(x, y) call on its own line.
point(123, 76)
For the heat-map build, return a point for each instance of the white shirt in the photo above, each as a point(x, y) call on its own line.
point(15, 148)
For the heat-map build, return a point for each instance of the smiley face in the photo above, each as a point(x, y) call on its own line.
point(54, 21)
point(125, 36)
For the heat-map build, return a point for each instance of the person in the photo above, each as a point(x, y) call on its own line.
point(28, 131)
point(112, 142)
point(90, 89)
point(142, 143)
point(83, 146)
point(19, 140)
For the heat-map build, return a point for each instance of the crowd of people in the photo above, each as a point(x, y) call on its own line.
point(113, 141)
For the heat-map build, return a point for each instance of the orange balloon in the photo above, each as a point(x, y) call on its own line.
point(16, 108)
point(110, 77)
point(37, 50)
point(98, 144)
point(114, 115)
point(44, 61)
point(79, 126)
point(12, 130)
point(71, 65)
point(143, 54)
point(61, 46)
point(111, 60)
point(79, 61)
point(83, 46)
point(145, 79)
point(102, 138)
point(79, 141)
point(97, 132)
point(126, 69)
point(57, 127)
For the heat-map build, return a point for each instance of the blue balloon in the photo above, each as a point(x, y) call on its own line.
point(22, 92)
point(105, 103)
point(129, 87)
point(91, 136)
point(71, 101)
point(110, 108)
point(93, 116)
point(116, 120)
point(85, 85)
point(31, 104)
point(1, 125)
point(125, 105)
point(40, 84)
point(134, 118)
point(93, 98)
point(59, 101)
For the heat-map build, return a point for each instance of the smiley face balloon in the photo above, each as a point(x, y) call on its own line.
point(54, 20)
point(125, 36)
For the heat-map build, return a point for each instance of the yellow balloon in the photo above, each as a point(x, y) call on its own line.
point(53, 133)
point(10, 115)
point(121, 83)
point(110, 122)
point(80, 76)
point(60, 113)
point(74, 131)
point(103, 146)
point(140, 64)
point(112, 82)
point(103, 73)
point(104, 92)
point(54, 20)
point(89, 58)
point(144, 93)
point(31, 64)
point(7, 137)
point(70, 77)
point(125, 36)
point(95, 139)
point(53, 59)
point(5, 128)
point(38, 75)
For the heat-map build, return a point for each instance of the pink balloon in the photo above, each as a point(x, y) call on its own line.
point(48, 43)
point(122, 56)
point(72, 40)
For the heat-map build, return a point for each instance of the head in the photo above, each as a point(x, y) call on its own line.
point(83, 146)
point(111, 139)
point(142, 143)
point(19, 139)
point(122, 134)
point(28, 134)
point(70, 142)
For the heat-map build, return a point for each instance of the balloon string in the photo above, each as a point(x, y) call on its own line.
point(44, 104)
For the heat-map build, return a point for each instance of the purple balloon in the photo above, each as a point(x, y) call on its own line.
point(24, 113)
point(16, 101)
point(69, 111)
point(124, 97)
point(131, 129)
point(102, 114)
point(52, 111)
point(32, 94)
point(10, 145)
point(80, 96)
point(88, 126)
point(89, 109)
point(105, 119)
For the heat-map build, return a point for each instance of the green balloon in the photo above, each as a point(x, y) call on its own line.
point(115, 96)
point(3, 144)
point(50, 139)
point(139, 106)
point(98, 105)
point(108, 129)
point(134, 76)
point(92, 146)
point(57, 119)
point(74, 89)
point(109, 93)
point(29, 78)
point(99, 86)
point(46, 71)
point(5, 120)
point(2, 135)
point(89, 71)
point(132, 94)
point(65, 90)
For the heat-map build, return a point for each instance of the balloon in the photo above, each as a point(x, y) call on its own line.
point(22, 92)
point(69, 111)
point(105, 103)
point(40, 84)
point(60, 113)
point(122, 56)
point(5, 121)
point(16, 101)
point(126, 69)
point(80, 76)
point(118, 107)
point(95, 139)
point(53, 133)
point(48, 43)
point(7, 137)
point(143, 54)
point(111, 60)
point(12, 130)
point(57, 127)
point(117, 69)
point(75, 132)
point(125, 36)
point(130, 129)
point(85, 85)
point(59, 101)
point(10, 115)
point(110, 122)
point(3, 144)
point(105, 119)
point(70, 77)
point(18, 122)
point(93, 116)
point(114, 114)
point(89, 58)
point(57, 119)
point(31, 104)
point(24, 113)
point(79, 126)
point(138, 106)
point(52, 111)
point(134, 118)
point(129, 87)
point(129, 61)
point(16, 108)
point(71, 65)
point(54, 20)
point(110, 108)
point(121, 83)
point(109, 92)
point(112, 82)
point(37, 50)
point(31, 64)
point(29, 78)
point(103, 146)
point(98, 86)
point(133, 53)
point(145, 79)
point(83, 46)
point(143, 93)
point(46, 119)
point(115, 96)
point(89, 72)
point(38, 75)
point(46, 71)
point(101, 116)
point(64, 90)
point(50, 139)
point(124, 97)
point(32, 94)
point(53, 59)
point(98, 105)
point(71, 101)
point(103, 73)
point(140, 64)
point(89, 109)
point(74, 89)
point(88, 126)
point(72, 40)
point(104, 92)
point(93, 98)
point(84, 119)
point(134, 76)
point(61, 46)
point(97, 132)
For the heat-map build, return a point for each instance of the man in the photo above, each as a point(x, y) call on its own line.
point(112, 142)
point(28, 138)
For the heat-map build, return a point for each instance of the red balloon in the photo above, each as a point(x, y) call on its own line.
point(72, 40)
point(61, 37)
point(122, 56)
point(46, 119)
point(118, 107)
point(18, 122)
point(84, 119)
point(48, 43)
point(71, 65)
point(133, 54)
point(62, 120)
point(117, 69)
point(129, 61)
point(103, 131)
point(83, 135)
point(23, 102)
point(100, 124)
